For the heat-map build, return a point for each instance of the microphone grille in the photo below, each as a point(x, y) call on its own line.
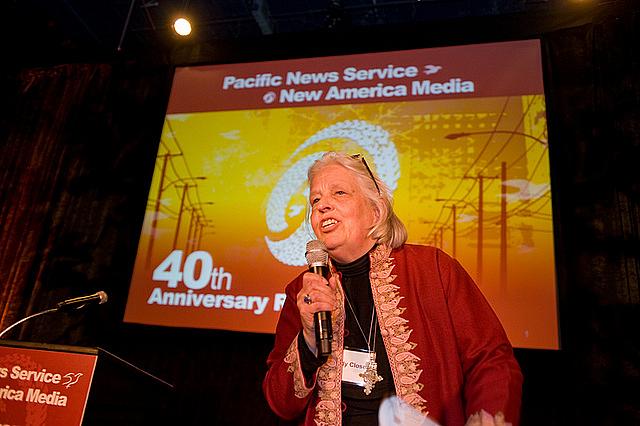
point(103, 297)
point(316, 253)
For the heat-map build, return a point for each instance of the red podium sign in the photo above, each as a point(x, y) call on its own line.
point(44, 387)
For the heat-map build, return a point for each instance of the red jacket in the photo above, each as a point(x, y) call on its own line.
point(448, 353)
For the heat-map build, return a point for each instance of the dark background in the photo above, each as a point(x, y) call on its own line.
point(79, 130)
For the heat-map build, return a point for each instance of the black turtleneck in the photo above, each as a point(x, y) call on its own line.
point(362, 409)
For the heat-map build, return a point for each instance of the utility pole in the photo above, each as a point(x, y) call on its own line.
point(503, 229)
point(185, 189)
point(480, 238)
point(156, 207)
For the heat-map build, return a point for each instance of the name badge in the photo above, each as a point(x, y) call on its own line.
point(354, 363)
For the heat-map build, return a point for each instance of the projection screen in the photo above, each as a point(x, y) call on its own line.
point(459, 133)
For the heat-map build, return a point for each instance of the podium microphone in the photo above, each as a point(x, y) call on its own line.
point(318, 261)
point(78, 302)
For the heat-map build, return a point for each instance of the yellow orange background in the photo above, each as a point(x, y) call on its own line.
point(242, 154)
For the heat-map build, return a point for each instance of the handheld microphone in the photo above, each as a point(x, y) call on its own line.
point(318, 261)
point(78, 302)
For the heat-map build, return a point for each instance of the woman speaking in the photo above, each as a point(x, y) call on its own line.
point(407, 320)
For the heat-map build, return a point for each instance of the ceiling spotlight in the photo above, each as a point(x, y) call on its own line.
point(182, 27)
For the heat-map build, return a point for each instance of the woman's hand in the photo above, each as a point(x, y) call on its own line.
point(316, 295)
point(482, 418)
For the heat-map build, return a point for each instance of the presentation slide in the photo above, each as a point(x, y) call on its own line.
point(458, 133)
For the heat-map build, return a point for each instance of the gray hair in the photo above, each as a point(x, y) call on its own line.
point(388, 229)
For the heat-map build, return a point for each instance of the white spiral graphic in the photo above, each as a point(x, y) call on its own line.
point(374, 139)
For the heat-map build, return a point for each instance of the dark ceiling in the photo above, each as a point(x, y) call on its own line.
point(100, 28)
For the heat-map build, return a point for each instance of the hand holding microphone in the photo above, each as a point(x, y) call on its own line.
point(317, 299)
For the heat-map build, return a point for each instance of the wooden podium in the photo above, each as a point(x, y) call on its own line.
point(43, 384)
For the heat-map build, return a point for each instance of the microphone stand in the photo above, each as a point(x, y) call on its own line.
point(65, 306)
point(25, 319)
